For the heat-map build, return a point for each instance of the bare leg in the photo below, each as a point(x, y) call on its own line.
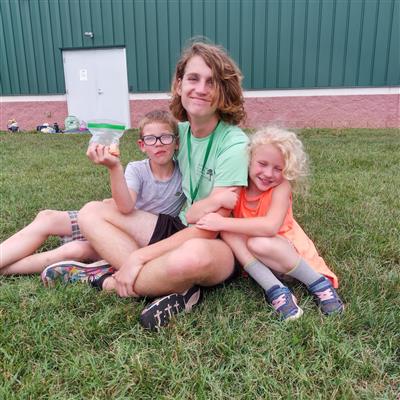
point(205, 262)
point(29, 239)
point(282, 257)
point(260, 272)
point(114, 235)
point(76, 250)
point(177, 274)
point(238, 244)
point(276, 252)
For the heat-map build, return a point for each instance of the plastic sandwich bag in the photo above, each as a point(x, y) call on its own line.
point(106, 132)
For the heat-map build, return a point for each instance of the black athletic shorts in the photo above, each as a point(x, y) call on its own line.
point(167, 225)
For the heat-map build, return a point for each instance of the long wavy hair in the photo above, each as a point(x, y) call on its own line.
point(226, 77)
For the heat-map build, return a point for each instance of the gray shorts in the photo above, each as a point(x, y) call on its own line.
point(76, 232)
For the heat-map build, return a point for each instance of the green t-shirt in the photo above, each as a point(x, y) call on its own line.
point(226, 164)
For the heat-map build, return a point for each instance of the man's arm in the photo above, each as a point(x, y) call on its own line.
point(263, 226)
point(220, 198)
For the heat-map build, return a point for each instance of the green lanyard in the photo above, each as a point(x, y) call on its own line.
point(193, 192)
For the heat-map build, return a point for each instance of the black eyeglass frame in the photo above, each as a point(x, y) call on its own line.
point(169, 136)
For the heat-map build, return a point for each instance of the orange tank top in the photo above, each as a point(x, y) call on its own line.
point(243, 210)
point(290, 229)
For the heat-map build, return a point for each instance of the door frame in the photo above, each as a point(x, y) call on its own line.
point(126, 104)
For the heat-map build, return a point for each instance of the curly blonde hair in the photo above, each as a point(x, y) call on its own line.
point(296, 161)
point(227, 82)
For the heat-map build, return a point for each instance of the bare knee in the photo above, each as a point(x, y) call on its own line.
point(52, 222)
point(89, 209)
point(260, 246)
point(189, 261)
point(48, 216)
point(89, 213)
point(77, 250)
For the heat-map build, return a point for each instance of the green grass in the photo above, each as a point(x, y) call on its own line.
point(74, 343)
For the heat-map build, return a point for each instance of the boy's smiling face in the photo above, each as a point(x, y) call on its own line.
point(158, 153)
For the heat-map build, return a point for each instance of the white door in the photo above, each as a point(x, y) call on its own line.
point(96, 83)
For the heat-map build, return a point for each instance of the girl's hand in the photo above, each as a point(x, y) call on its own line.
point(211, 222)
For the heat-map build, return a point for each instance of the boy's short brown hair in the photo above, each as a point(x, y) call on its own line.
point(227, 82)
point(160, 116)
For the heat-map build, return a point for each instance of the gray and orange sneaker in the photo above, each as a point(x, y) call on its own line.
point(74, 271)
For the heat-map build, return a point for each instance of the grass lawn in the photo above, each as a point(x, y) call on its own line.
point(71, 342)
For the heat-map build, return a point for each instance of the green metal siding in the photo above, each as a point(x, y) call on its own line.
point(277, 43)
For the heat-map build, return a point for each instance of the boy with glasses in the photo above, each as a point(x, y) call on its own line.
point(153, 185)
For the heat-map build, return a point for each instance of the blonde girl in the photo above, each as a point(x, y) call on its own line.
point(264, 232)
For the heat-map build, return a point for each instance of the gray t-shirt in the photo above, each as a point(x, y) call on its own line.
point(157, 197)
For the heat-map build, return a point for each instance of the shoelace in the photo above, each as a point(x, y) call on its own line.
point(327, 294)
point(279, 301)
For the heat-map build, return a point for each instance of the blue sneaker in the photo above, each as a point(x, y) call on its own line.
point(284, 303)
point(326, 296)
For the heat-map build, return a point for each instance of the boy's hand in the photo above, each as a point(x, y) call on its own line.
point(125, 279)
point(114, 150)
point(211, 222)
point(100, 154)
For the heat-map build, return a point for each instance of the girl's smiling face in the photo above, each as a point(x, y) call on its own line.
point(197, 89)
point(266, 168)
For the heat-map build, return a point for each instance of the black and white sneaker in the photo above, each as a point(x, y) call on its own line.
point(158, 313)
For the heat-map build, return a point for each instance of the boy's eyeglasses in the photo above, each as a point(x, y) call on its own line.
point(165, 138)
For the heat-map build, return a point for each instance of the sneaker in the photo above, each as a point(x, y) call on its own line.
point(326, 296)
point(158, 313)
point(96, 281)
point(284, 303)
point(73, 271)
